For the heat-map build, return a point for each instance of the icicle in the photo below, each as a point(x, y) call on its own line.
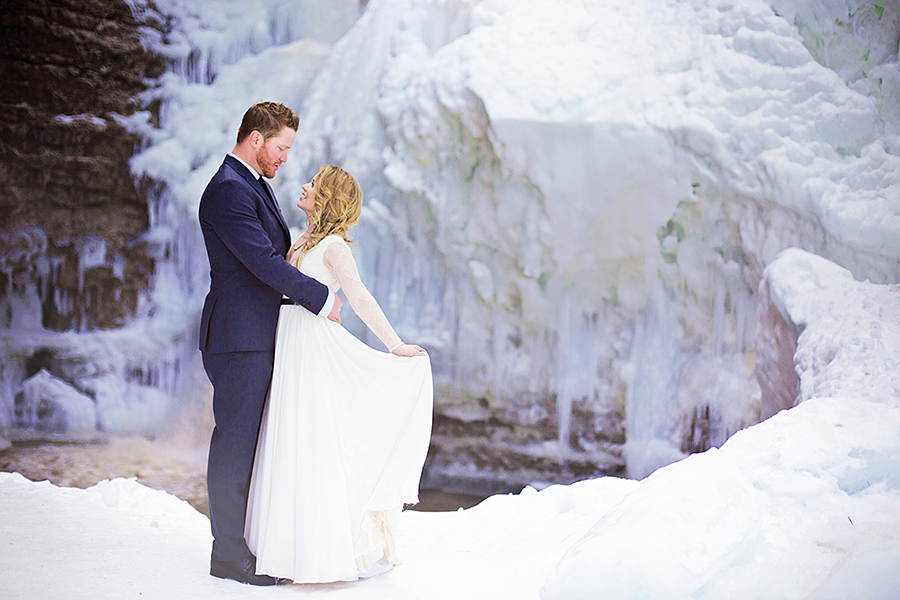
point(719, 324)
point(91, 253)
point(565, 383)
point(651, 384)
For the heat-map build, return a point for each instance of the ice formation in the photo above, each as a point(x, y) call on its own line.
point(803, 505)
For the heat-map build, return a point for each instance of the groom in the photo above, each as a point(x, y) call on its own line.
point(246, 241)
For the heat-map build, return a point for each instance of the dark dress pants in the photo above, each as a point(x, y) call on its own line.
point(240, 387)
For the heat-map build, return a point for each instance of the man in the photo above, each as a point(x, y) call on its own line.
point(246, 241)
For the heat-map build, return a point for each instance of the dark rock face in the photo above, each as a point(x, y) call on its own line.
point(66, 191)
point(463, 464)
point(490, 453)
point(776, 344)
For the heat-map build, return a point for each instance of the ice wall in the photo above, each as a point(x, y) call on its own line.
point(569, 203)
point(607, 181)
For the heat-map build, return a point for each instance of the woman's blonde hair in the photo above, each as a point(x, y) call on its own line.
point(338, 205)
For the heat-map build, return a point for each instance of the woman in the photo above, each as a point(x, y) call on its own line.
point(346, 429)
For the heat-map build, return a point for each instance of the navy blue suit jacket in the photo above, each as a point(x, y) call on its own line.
point(246, 241)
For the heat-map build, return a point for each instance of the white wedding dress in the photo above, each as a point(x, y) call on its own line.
point(343, 438)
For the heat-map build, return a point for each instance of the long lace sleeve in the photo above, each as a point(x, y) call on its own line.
point(340, 261)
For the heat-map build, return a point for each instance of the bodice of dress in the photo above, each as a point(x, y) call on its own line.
point(331, 262)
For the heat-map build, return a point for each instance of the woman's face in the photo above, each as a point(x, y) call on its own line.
point(307, 202)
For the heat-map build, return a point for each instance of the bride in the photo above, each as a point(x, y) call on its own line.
point(346, 428)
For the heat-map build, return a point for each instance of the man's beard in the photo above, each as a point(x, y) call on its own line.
point(266, 166)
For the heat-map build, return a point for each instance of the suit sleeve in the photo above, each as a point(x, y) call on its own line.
point(237, 224)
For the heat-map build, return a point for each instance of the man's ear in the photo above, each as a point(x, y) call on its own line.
point(256, 139)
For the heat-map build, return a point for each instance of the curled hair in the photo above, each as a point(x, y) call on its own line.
point(268, 118)
point(338, 205)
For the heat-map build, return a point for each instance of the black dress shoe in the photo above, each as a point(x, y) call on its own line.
point(243, 570)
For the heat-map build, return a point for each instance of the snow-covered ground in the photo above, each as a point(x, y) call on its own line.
point(805, 505)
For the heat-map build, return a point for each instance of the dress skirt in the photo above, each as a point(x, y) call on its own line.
point(341, 449)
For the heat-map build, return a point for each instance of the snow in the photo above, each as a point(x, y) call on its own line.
point(805, 505)
point(849, 321)
point(71, 410)
point(767, 516)
point(122, 539)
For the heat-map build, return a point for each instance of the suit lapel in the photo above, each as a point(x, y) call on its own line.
point(262, 188)
point(265, 192)
point(269, 196)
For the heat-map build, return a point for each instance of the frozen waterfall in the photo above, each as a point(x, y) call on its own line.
point(570, 203)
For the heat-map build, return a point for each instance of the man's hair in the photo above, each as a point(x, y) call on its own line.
point(268, 118)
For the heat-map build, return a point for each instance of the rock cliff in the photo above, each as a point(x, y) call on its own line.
point(70, 212)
